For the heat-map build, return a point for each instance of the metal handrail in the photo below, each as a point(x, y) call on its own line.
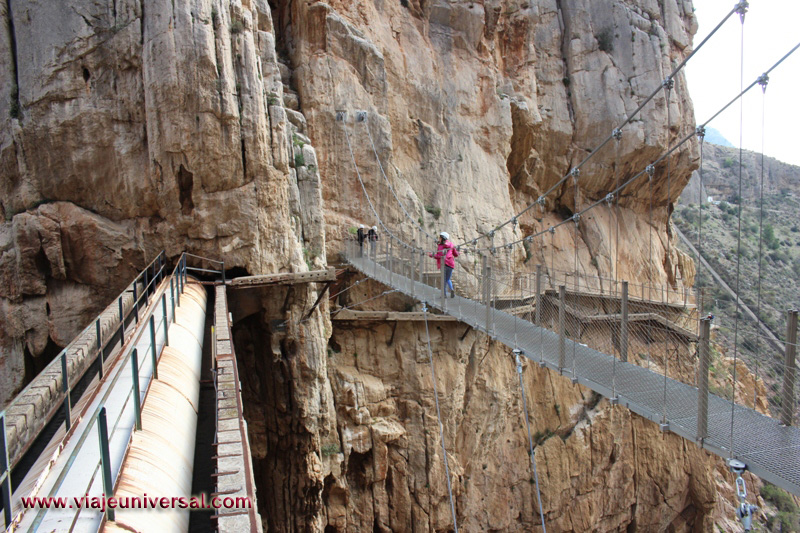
point(8, 462)
point(98, 417)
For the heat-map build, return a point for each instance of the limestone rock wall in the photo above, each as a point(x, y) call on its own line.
point(497, 100)
point(131, 126)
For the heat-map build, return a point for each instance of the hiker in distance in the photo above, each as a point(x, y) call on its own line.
point(372, 237)
point(361, 236)
point(448, 252)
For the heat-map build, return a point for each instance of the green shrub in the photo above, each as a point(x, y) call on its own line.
point(299, 160)
point(237, 27)
point(433, 210)
point(605, 40)
point(330, 449)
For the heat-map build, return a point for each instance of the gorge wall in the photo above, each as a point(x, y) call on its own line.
point(129, 126)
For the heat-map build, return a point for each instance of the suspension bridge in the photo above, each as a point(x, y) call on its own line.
point(645, 346)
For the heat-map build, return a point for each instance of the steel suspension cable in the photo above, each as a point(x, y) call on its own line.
point(763, 82)
point(439, 416)
point(740, 5)
point(739, 236)
point(656, 161)
point(389, 184)
point(668, 84)
point(530, 438)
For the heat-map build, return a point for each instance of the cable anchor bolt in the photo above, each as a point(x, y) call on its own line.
point(340, 116)
point(617, 134)
point(552, 229)
point(361, 116)
point(575, 173)
point(517, 352)
point(576, 217)
point(610, 197)
point(668, 83)
point(651, 170)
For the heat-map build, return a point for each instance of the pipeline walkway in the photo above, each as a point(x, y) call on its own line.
point(769, 449)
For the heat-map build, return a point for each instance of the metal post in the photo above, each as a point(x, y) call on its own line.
point(562, 345)
point(623, 338)
point(153, 346)
point(166, 318)
point(105, 459)
point(178, 289)
point(121, 322)
point(787, 398)
point(390, 258)
point(136, 300)
point(137, 399)
point(539, 295)
point(702, 379)
point(172, 295)
point(5, 473)
point(99, 345)
point(223, 272)
point(145, 285)
point(487, 292)
point(65, 390)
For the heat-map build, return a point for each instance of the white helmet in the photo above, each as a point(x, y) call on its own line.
point(374, 228)
point(445, 235)
point(361, 226)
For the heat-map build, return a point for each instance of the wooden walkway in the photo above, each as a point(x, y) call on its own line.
point(283, 278)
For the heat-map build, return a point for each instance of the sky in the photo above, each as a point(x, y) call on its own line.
point(714, 74)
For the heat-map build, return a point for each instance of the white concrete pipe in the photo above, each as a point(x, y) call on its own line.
point(161, 456)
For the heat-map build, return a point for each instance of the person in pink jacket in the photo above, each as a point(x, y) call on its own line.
point(449, 252)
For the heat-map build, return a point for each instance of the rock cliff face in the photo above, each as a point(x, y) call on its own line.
point(129, 126)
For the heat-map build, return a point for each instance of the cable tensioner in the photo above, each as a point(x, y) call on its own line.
point(745, 511)
point(517, 352)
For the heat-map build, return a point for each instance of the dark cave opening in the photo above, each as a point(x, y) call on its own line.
point(279, 441)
